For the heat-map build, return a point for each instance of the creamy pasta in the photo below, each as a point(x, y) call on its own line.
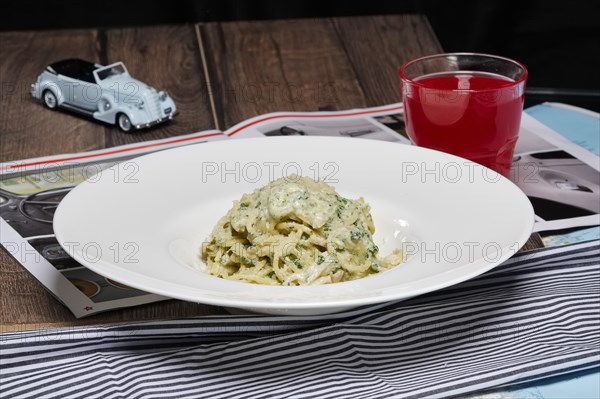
point(295, 231)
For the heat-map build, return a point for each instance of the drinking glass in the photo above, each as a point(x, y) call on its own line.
point(465, 104)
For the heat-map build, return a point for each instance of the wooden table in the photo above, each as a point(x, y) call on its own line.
point(218, 74)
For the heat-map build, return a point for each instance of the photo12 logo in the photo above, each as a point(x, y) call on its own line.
point(458, 252)
point(93, 252)
point(254, 172)
point(447, 172)
point(73, 173)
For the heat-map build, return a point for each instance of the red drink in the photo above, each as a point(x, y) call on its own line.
point(474, 115)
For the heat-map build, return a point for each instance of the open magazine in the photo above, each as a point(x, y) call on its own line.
point(30, 190)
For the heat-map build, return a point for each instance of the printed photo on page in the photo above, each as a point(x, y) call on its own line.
point(560, 178)
point(30, 192)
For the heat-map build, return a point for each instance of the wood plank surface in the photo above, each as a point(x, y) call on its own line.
point(25, 304)
point(166, 58)
point(377, 46)
point(264, 66)
point(27, 128)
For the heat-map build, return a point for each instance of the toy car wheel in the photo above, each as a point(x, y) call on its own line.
point(124, 123)
point(50, 99)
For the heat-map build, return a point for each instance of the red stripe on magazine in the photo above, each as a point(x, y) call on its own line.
point(111, 152)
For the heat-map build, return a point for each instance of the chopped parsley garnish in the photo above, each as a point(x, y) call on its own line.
point(246, 261)
point(371, 251)
point(294, 260)
point(356, 235)
point(341, 206)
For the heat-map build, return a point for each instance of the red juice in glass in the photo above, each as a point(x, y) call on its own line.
point(473, 114)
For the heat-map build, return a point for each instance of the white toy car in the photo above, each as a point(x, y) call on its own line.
point(106, 93)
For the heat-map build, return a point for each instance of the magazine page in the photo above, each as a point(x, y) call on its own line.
point(548, 167)
point(377, 123)
point(579, 126)
point(560, 178)
point(30, 191)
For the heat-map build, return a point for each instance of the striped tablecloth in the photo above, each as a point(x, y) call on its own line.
point(535, 316)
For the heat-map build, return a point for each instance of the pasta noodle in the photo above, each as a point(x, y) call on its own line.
point(295, 231)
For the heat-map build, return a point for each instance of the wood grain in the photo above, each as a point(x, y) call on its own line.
point(534, 242)
point(166, 58)
point(26, 304)
point(377, 46)
point(27, 128)
point(266, 66)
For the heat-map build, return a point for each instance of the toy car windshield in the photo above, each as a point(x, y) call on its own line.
point(111, 70)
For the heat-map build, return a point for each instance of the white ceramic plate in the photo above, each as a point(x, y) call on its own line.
point(142, 222)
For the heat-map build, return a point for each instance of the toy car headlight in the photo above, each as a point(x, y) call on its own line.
point(140, 103)
point(162, 96)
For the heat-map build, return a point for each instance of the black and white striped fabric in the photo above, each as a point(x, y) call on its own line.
point(535, 316)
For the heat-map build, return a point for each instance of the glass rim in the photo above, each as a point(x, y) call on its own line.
point(408, 63)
